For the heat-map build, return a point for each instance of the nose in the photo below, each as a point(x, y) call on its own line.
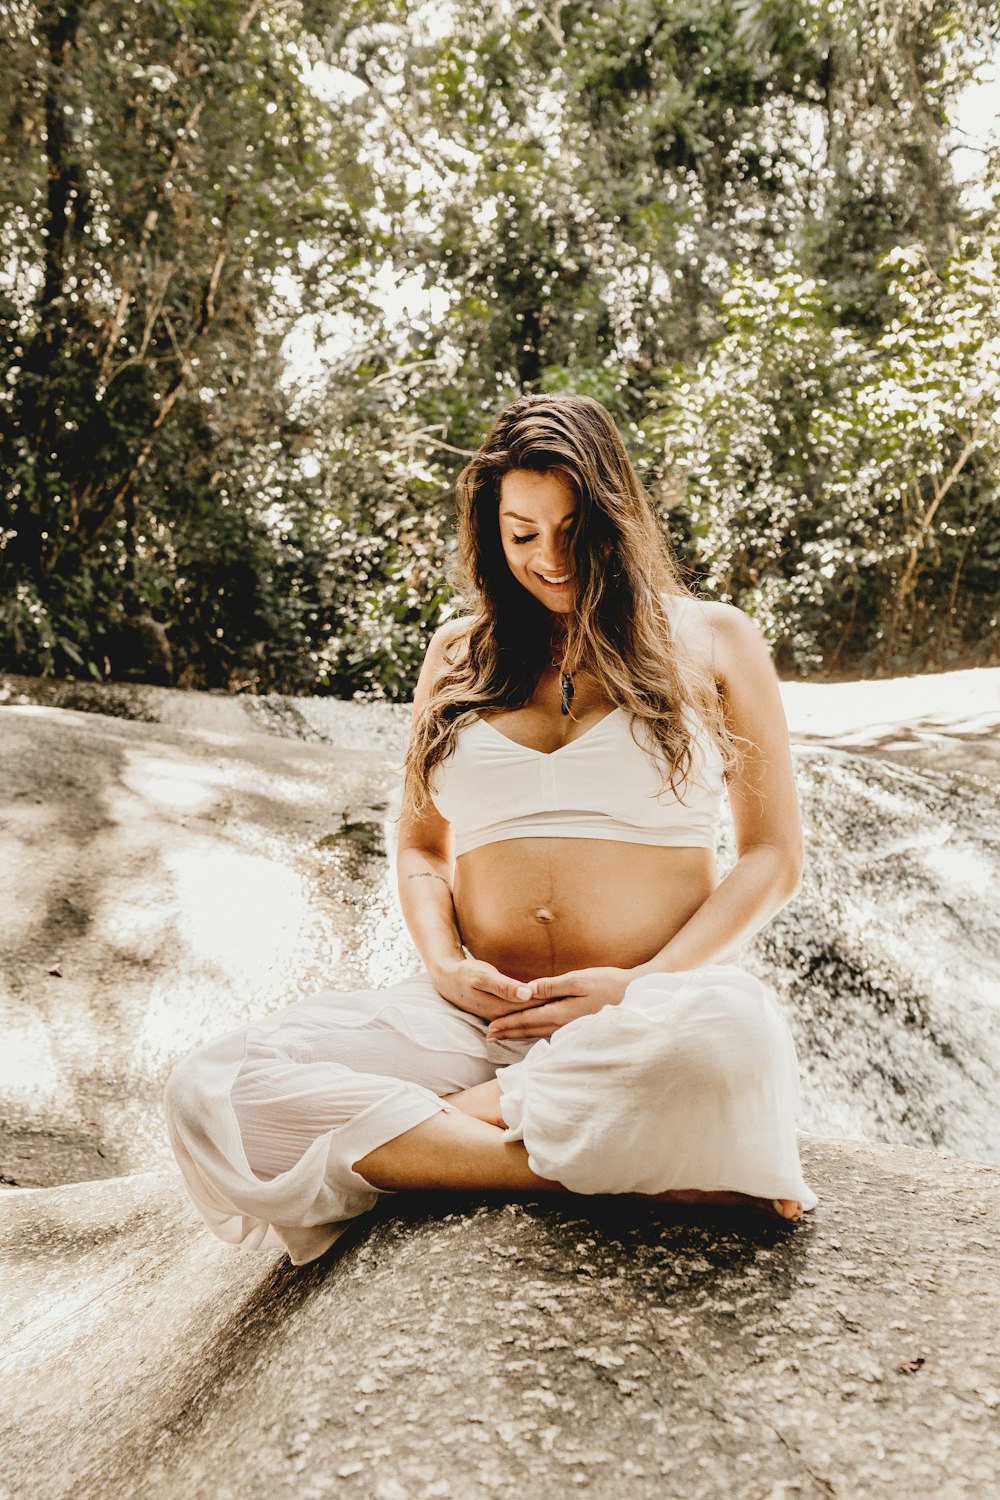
point(554, 556)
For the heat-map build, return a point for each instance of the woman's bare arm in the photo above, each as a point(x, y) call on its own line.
point(425, 865)
point(768, 868)
point(425, 859)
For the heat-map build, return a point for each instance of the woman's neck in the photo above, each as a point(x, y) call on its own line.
point(558, 641)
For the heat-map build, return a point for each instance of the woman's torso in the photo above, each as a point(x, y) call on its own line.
point(535, 906)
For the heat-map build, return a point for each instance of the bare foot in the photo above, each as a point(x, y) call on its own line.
point(777, 1208)
point(481, 1102)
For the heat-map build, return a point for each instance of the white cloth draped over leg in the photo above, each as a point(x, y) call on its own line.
point(690, 1082)
point(267, 1121)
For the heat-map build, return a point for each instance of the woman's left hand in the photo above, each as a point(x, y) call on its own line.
point(562, 998)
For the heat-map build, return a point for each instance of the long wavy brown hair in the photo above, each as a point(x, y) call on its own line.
point(619, 630)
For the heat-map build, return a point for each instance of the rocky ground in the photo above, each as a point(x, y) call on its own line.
point(172, 864)
point(466, 1348)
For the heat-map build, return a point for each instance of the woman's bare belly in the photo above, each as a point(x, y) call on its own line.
point(535, 907)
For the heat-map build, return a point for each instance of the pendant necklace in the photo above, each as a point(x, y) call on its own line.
point(566, 688)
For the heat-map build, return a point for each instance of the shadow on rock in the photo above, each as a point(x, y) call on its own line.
point(453, 1344)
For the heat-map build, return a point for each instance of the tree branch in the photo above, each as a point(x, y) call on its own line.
point(151, 219)
point(169, 399)
point(553, 22)
point(413, 436)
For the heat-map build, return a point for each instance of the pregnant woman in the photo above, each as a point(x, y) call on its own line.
point(579, 1024)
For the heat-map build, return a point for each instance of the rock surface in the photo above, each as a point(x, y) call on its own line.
point(179, 864)
point(164, 884)
point(463, 1348)
point(160, 885)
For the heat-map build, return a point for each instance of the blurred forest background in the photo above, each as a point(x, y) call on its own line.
point(269, 267)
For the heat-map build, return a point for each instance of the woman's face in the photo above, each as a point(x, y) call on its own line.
point(536, 514)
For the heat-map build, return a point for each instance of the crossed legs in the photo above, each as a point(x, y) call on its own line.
point(345, 1095)
point(455, 1149)
point(465, 1148)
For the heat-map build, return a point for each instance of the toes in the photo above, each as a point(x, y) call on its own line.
point(788, 1209)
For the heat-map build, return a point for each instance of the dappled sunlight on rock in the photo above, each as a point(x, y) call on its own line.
point(959, 701)
point(24, 879)
point(965, 871)
point(164, 887)
point(241, 921)
point(241, 912)
point(32, 1081)
point(888, 961)
point(384, 945)
point(171, 784)
point(134, 919)
point(176, 884)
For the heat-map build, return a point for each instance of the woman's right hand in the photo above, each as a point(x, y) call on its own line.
point(477, 987)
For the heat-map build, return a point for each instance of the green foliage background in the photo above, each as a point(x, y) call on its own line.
point(735, 224)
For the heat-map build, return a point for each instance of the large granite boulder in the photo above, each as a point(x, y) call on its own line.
point(162, 884)
point(463, 1348)
point(180, 864)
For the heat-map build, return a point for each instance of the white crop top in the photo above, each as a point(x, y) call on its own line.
point(601, 785)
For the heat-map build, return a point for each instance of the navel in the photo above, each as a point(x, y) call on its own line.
point(544, 915)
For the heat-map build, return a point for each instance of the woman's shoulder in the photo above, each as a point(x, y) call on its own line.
point(731, 626)
point(450, 638)
point(689, 626)
point(720, 636)
point(444, 651)
point(740, 652)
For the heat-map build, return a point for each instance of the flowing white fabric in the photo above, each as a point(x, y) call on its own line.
point(690, 1082)
point(267, 1121)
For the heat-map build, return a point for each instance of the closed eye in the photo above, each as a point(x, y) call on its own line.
point(517, 540)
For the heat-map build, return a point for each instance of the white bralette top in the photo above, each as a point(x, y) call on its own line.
point(602, 785)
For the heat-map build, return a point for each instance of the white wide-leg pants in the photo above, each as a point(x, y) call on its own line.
point(691, 1082)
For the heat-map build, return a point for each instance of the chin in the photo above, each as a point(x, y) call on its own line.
point(558, 603)
point(555, 605)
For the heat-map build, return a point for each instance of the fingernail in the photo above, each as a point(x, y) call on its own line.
point(523, 992)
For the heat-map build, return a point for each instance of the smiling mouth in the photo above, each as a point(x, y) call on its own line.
point(555, 582)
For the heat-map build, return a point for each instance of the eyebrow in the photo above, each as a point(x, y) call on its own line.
point(512, 515)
